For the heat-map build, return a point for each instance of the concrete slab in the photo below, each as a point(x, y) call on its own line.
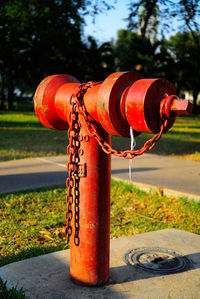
point(48, 276)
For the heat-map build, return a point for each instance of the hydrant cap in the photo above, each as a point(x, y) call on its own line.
point(44, 101)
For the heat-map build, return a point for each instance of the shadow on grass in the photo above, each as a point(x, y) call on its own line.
point(168, 146)
point(20, 124)
point(178, 133)
point(28, 142)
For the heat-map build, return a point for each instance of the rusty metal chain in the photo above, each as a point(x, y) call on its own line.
point(127, 154)
point(74, 150)
point(73, 179)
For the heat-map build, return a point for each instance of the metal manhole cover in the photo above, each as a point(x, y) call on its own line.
point(157, 260)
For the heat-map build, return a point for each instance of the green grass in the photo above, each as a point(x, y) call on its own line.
point(22, 136)
point(134, 211)
point(13, 293)
point(32, 223)
point(181, 141)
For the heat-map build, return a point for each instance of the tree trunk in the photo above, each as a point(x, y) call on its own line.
point(10, 93)
point(149, 13)
point(2, 94)
point(195, 95)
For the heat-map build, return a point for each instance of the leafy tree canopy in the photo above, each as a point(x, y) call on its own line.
point(185, 12)
point(186, 52)
point(39, 38)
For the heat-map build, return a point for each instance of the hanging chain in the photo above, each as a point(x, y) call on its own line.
point(128, 154)
point(73, 179)
point(74, 151)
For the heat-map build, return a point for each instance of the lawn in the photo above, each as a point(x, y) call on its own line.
point(33, 222)
point(22, 136)
point(181, 141)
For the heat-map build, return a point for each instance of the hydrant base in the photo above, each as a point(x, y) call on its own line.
point(80, 283)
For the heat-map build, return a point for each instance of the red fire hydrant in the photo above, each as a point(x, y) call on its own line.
point(93, 112)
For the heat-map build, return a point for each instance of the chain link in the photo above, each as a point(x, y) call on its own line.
point(73, 180)
point(127, 154)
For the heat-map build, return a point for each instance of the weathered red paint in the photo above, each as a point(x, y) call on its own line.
point(89, 262)
point(62, 100)
point(110, 102)
point(121, 101)
point(91, 101)
point(172, 105)
point(142, 105)
point(44, 101)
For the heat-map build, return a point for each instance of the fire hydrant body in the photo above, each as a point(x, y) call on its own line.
point(121, 101)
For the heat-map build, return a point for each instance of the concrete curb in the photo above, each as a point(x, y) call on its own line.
point(160, 190)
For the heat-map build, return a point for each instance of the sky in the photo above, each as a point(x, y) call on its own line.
point(107, 24)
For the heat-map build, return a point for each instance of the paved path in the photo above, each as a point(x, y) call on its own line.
point(148, 171)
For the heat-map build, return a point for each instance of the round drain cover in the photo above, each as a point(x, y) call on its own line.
point(157, 260)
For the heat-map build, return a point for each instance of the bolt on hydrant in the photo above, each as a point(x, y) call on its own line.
point(92, 113)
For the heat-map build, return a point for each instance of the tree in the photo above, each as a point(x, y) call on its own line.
point(39, 38)
point(36, 39)
point(186, 12)
point(99, 60)
point(187, 58)
point(135, 53)
point(141, 13)
point(189, 11)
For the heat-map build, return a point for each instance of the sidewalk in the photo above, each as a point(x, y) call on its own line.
point(171, 176)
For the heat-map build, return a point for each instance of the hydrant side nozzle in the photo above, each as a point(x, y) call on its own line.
point(182, 107)
point(172, 106)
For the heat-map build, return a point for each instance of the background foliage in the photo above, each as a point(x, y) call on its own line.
point(39, 38)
